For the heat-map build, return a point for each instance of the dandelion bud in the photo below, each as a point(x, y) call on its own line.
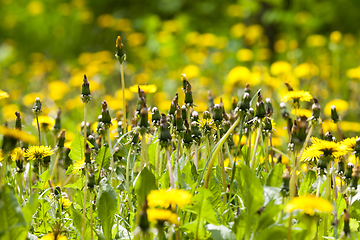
point(120, 55)
point(341, 165)
point(329, 137)
point(57, 191)
point(217, 113)
point(61, 139)
point(85, 90)
point(268, 107)
point(184, 81)
point(334, 115)
point(267, 125)
point(164, 132)
point(183, 112)
point(91, 181)
point(244, 103)
point(284, 112)
point(357, 147)
point(143, 121)
point(206, 115)
point(285, 183)
point(234, 103)
point(37, 107)
point(289, 87)
point(156, 116)
point(211, 101)
point(87, 153)
point(188, 95)
point(260, 107)
point(194, 116)
point(195, 132)
point(315, 109)
point(18, 120)
point(349, 170)
point(100, 128)
point(355, 177)
point(105, 115)
point(247, 88)
point(174, 105)
point(179, 120)
point(57, 125)
point(187, 136)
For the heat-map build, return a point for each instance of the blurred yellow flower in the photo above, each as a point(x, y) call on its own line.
point(135, 39)
point(28, 99)
point(17, 154)
point(105, 21)
point(57, 90)
point(349, 40)
point(341, 106)
point(244, 55)
point(168, 197)
point(238, 30)
point(263, 54)
point(3, 94)
point(146, 88)
point(51, 236)
point(253, 33)
point(353, 73)
point(302, 112)
point(207, 40)
point(37, 153)
point(280, 67)
point(162, 215)
point(316, 40)
point(18, 134)
point(238, 74)
point(46, 123)
point(309, 204)
point(65, 202)
point(306, 70)
point(280, 46)
point(191, 71)
point(8, 110)
point(296, 96)
point(236, 139)
point(35, 8)
point(1, 155)
point(335, 36)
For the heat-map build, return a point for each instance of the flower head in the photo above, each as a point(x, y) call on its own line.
point(1, 155)
point(164, 198)
point(349, 143)
point(296, 97)
point(78, 166)
point(18, 135)
point(38, 152)
point(17, 154)
point(322, 147)
point(51, 236)
point(65, 202)
point(162, 215)
point(45, 122)
point(309, 204)
point(146, 88)
point(3, 94)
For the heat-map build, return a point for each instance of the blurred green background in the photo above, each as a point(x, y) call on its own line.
point(47, 46)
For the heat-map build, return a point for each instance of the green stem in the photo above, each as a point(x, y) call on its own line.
point(128, 178)
point(216, 150)
point(38, 127)
point(85, 127)
point(172, 184)
point(143, 152)
point(21, 188)
point(123, 96)
point(84, 205)
point(161, 162)
point(196, 146)
point(252, 163)
point(91, 219)
point(231, 162)
point(222, 170)
point(55, 164)
point(111, 159)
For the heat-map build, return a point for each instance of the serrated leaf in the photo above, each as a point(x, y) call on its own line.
point(103, 157)
point(305, 186)
point(106, 204)
point(144, 183)
point(79, 184)
point(13, 224)
point(77, 147)
point(30, 207)
point(274, 179)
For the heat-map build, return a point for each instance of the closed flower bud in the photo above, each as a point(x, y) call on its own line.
point(206, 115)
point(195, 132)
point(329, 137)
point(188, 95)
point(260, 109)
point(156, 116)
point(120, 55)
point(18, 120)
point(106, 119)
point(85, 90)
point(334, 115)
point(349, 170)
point(87, 153)
point(355, 177)
point(217, 114)
point(143, 121)
point(183, 112)
point(234, 103)
point(57, 191)
point(315, 109)
point(57, 125)
point(187, 136)
point(244, 103)
point(284, 112)
point(184, 81)
point(91, 181)
point(247, 88)
point(194, 116)
point(164, 132)
point(341, 165)
point(37, 107)
point(211, 101)
point(357, 147)
point(268, 107)
point(174, 105)
point(285, 183)
point(61, 139)
point(179, 120)
point(346, 217)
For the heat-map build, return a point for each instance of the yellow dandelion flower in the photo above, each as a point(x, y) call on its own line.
point(349, 143)
point(51, 236)
point(162, 215)
point(17, 154)
point(164, 198)
point(238, 74)
point(38, 152)
point(280, 67)
point(18, 134)
point(309, 204)
point(306, 70)
point(146, 88)
point(353, 73)
point(322, 147)
point(335, 36)
point(45, 122)
point(78, 166)
point(1, 155)
point(3, 94)
point(296, 97)
point(341, 106)
point(65, 202)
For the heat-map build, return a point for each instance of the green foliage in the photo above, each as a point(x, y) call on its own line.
point(305, 187)
point(144, 183)
point(77, 148)
point(103, 157)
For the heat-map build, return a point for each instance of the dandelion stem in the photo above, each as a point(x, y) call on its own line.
point(252, 163)
point(111, 159)
point(85, 127)
point(123, 96)
point(84, 205)
point(128, 179)
point(196, 146)
point(91, 218)
point(38, 127)
point(172, 184)
point(222, 170)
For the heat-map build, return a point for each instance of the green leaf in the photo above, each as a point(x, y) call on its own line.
point(251, 191)
point(340, 205)
point(13, 224)
point(79, 184)
point(220, 232)
point(103, 157)
point(153, 150)
point(354, 225)
point(144, 183)
point(30, 207)
point(202, 206)
point(77, 147)
point(305, 186)
point(274, 178)
point(76, 217)
point(275, 232)
point(106, 204)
